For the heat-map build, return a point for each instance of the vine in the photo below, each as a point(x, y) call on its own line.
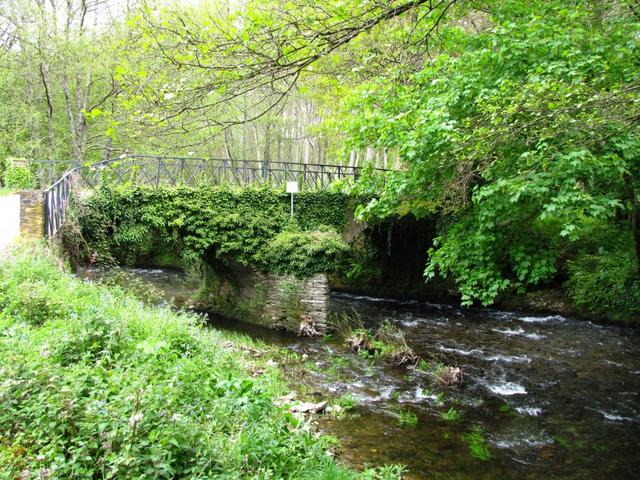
point(251, 226)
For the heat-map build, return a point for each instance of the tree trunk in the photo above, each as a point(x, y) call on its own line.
point(635, 216)
point(228, 142)
point(44, 75)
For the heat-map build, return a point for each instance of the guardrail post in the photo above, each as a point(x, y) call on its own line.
point(47, 210)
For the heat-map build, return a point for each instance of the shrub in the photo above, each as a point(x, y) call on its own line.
point(304, 253)
point(19, 177)
point(32, 303)
point(606, 285)
point(205, 223)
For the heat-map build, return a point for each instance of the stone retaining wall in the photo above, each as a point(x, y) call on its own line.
point(31, 214)
point(281, 302)
point(312, 295)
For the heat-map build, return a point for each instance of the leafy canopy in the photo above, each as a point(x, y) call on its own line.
point(521, 133)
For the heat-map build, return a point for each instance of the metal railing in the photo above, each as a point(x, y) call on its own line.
point(56, 200)
point(155, 171)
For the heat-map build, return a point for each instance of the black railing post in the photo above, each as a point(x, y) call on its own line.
point(47, 210)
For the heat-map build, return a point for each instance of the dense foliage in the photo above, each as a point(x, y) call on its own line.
point(244, 225)
point(96, 385)
point(18, 177)
point(516, 121)
point(525, 135)
point(304, 253)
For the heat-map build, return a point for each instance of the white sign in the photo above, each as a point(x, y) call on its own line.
point(292, 187)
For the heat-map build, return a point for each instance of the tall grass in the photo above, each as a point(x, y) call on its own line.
point(94, 384)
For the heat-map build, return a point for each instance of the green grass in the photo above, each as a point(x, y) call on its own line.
point(5, 191)
point(345, 406)
point(451, 415)
point(407, 418)
point(95, 384)
point(478, 446)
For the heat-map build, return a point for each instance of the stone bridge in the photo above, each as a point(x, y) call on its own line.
point(160, 172)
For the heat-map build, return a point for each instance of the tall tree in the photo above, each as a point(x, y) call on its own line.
point(526, 135)
point(59, 48)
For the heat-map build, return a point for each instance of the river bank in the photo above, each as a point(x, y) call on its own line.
point(96, 384)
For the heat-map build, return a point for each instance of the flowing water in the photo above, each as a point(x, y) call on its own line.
point(551, 397)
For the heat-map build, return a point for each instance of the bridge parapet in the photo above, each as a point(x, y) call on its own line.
point(155, 171)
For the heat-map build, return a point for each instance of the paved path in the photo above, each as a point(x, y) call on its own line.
point(9, 220)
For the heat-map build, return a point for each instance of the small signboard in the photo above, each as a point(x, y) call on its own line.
point(292, 187)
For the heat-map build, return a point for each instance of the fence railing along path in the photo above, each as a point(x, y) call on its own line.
point(155, 171)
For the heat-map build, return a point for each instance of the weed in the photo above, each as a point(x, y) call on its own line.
point(387, 344)
point(387, 472)
point(441, 373)
point(477, 444)
point(451, 415)
point(345, 406)
point(100, 385)
point(407, 418)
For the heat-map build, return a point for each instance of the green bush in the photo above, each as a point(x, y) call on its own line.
point(304, 253)
point(606, 285)
point(33, 303)
point(19, 177)
point(110, 388)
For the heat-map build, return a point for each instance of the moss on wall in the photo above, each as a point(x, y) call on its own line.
point(140, 225)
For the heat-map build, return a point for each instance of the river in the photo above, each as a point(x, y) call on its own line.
point(550, 397)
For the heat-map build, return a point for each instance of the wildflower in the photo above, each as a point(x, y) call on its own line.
point(135, 419)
